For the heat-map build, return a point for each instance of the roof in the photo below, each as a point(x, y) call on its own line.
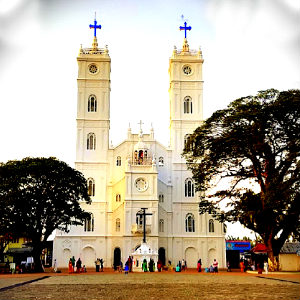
point(19, 250)
point(290, 248)
point(259, 248)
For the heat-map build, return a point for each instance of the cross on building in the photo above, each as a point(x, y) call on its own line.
point(143, 213)
point(141, 130)
point(95, 26)
point(141, 124)
point(185, 28)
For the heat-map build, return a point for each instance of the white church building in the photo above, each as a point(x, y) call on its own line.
point(139, 173)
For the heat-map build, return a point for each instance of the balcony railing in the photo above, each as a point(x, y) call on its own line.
point(142, 162)
point(92, 51)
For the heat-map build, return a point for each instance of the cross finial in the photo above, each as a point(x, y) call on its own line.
point(95, 26)
point(141, 123)
point(185, 28)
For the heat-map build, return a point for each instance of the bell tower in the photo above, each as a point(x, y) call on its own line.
point(186, 93)
point(93, 102)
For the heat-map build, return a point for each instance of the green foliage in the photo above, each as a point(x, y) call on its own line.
point(249, 153)
point(39, 195)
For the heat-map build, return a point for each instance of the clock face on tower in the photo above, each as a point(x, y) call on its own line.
point(141, 184)
point(187, 70)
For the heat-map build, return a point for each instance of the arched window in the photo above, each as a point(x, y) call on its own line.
point(161, 198)
point(187, 105)
point(189, 188)
point(91, 187)
point(211, 225)
point(161, 161)
point(118, 198)
point(118, 225)
point(91, 141)
point(92, 103)
point(187, 139)
point(189, 223)
point(161, 225)
point(89, 223)
point(118, 161)
point(224, 227)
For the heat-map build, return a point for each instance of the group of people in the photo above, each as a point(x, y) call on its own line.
point(127, 267)
point(78, 267)
point(181, 266)
point(213, 268)
point(148, 266)
point(261, 265)
point(99, 264)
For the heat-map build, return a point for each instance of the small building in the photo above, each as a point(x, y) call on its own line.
point(235, 251)
point(17, 250)
point(289, 257)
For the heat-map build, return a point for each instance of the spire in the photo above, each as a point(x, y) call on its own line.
point(95, 43)
point(152, 131)
point(185, 46)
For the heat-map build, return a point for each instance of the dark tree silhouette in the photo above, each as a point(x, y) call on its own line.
point(37, 196)
point(250, 153)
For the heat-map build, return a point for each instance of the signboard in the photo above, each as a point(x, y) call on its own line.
point(238, 245)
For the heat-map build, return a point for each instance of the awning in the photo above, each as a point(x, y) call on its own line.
point(259, 248)
point(19, 250)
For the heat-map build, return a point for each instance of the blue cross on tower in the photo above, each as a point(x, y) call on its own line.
point(95, 26)
point(185, 28)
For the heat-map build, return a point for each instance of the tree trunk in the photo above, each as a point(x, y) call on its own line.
point(38, 266)
point(272, 260)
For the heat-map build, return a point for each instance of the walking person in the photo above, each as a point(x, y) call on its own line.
point(55, 266)
point(183, 265)
point(215, 266)
point(199, 264)
point(242, 266)
point(228, 267)
point(130, 263)
point(73, 260)
point(71, 269)
point(78, 265)
point(126, 269)
point(120, 267)
point(266, 267)
point(144, 265)
point(101, 264)
point(97, 263)
point(159, 265)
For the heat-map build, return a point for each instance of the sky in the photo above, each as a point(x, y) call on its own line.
point(247, 45)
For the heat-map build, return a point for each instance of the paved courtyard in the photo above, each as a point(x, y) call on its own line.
point(166, 285)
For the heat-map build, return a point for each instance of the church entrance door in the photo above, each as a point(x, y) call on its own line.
point(117, 257)
point(191, 257)
point(89, 257)
point(162, 255)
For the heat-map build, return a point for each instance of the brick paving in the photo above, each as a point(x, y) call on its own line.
point(165, 285)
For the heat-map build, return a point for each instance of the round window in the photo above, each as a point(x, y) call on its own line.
point(187, 70)
point(93, 68)
point(141, 184)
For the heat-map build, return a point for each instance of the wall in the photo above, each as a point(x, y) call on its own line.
point(289, 262)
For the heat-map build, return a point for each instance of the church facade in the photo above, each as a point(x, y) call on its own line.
point(139, 173)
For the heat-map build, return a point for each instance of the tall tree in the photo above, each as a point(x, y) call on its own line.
point(247, 156)
point(37, 196)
